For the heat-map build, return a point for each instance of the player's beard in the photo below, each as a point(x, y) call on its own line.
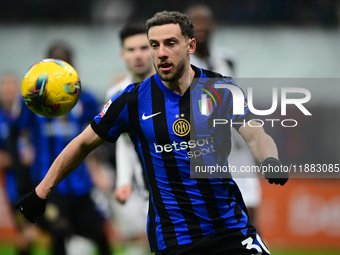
point(175, 73)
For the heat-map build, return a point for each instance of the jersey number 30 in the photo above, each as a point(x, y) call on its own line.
point(250, 245)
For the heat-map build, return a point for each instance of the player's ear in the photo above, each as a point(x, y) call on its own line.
point(191, 45)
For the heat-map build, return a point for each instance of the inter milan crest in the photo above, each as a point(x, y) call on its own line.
point(181, 127)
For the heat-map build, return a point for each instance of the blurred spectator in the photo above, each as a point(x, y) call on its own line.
point(207, 57)
point(222, 61)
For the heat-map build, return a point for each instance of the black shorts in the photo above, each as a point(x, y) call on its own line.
point(232, 242)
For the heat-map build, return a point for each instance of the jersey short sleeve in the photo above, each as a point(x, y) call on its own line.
point(113, 119)
point(238, 120)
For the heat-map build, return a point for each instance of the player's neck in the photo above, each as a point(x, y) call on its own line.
point(141, 77)
point(183, 83)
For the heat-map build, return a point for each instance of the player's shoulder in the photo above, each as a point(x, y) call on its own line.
point(134, 87)
point(118, 87)
point(213, 78)
point(137, 86)
point(131, 91)
point(214, 75)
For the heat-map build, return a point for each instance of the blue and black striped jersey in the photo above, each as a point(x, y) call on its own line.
point(170, 131)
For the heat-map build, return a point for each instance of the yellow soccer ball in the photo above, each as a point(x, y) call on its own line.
point(51, 87)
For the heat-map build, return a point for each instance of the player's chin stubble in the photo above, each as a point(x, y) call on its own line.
point(177, 72)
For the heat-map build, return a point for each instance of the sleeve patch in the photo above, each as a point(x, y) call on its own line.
point(105, 108)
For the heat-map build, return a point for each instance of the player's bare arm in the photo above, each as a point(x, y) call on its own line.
point(260, 143)
point(68, 160)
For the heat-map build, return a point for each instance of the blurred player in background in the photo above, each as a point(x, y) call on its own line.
point(220, 60)
point(14, 157)
point(223, 61)
point(131, 186)
point(71, 209)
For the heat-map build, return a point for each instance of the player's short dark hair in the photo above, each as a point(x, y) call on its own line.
point(174, 17)
point(131, 29)
point(64, 47)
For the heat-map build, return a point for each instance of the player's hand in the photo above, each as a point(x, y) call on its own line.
point(278, 177)
point(31, 206)
point(122, 193)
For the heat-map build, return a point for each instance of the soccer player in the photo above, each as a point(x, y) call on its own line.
point(223, 61)
point(70, 209)
point(186, 215)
